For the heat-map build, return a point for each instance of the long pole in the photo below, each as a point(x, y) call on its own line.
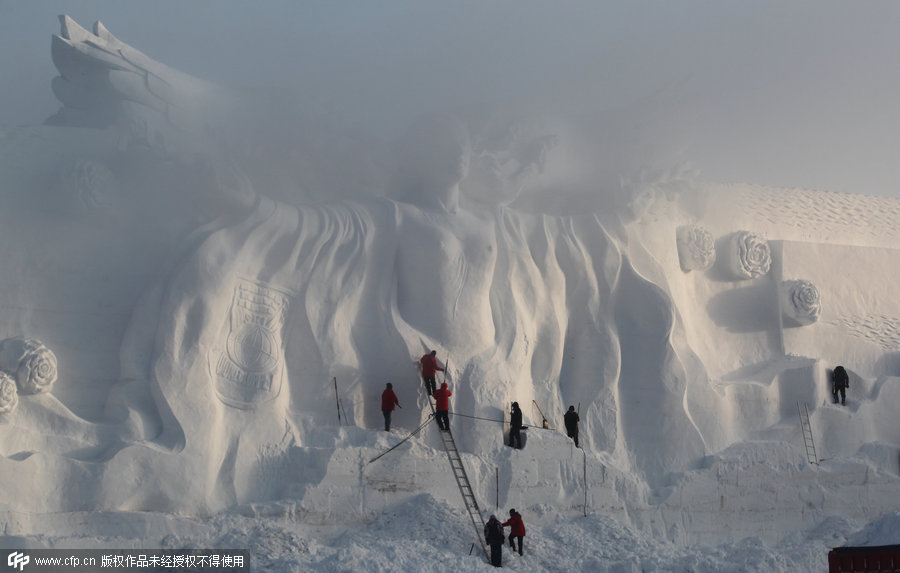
point(544, 422)
point(585, 467)
point(585, 483)
point(337, 401)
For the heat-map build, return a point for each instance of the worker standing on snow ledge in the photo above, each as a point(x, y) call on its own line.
point(442, 407)
point(388, 400)
point(571, 419)
point(515, 427)
point(429, 368)
point(840, 381)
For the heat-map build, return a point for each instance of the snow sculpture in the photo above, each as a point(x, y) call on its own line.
point(800, 301)
point(248, 367)
point(749, 255)
point(31, 363)
point(696, 248)
point(90, 187)
point(9, 395)
point(358, 287)
point(154, 102)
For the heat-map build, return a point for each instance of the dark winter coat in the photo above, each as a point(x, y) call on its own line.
point(493, 532)
point(841, 379)
point(571, 420)
point(442, 397)
point(388, 399)
point(515, 524)
point(430, 366)
point(515, 420)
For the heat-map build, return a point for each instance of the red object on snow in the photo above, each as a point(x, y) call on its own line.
point(881, 558)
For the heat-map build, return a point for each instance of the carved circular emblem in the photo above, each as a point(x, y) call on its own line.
point(253, 348)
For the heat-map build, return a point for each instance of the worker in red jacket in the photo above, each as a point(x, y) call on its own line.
point(516, 529)
point(442, 406)
point(429, 368)
point(388, 400)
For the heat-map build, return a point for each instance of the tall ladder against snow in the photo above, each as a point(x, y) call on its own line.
point(462, 480)
point(811, 456)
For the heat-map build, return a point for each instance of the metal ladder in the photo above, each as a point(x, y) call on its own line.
point(811, 456)
point(462, 481)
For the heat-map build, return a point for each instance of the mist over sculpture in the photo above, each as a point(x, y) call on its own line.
point(264, 297)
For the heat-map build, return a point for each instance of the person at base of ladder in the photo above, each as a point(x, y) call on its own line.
point(493, 536)
point(388, 400)
point(516, 529)
point(442, 406)
point(429, 368)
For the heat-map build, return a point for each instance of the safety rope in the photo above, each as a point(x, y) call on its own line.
point(498, 421)
point(413, 433)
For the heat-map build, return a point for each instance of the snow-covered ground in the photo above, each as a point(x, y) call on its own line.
point(199, 314)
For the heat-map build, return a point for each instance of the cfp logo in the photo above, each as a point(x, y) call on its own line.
point(17, 560)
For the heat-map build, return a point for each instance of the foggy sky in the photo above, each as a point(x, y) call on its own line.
point(801, 94)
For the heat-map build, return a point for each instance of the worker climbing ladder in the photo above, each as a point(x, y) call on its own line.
point(811, 456)
point(462, 481)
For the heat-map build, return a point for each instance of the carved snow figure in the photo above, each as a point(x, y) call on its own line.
point(800, 301)
point(696, 248)
point(749, 255)
point(9, 395)
point(31, 363)
point(272, 300)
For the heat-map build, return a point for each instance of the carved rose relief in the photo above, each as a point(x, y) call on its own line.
point(750, 256)
point(9, 395)
point(90, 187)
point(800, 301)
point(31, 363)
point(696, 248)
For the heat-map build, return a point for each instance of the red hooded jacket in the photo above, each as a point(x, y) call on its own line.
point(430, 365)
point(516, 525)
point(388, 399)
point(442, 397)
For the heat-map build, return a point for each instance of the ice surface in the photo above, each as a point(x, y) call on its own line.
point(198, 326)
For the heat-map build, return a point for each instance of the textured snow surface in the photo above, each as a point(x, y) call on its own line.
point(194, 340)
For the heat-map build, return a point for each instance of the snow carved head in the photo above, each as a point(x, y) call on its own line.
point(696, 248)
point(750, 255)
point(800, 301)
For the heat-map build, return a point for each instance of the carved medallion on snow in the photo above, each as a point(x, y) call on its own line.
point(749, 255)
point(90, 187)
point(696, 248)
point(800, 301)
point(9, 395)
point(247, 366)
point(32, 364)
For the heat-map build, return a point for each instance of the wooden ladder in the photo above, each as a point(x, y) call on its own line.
point(462, 481)
point(811, 456)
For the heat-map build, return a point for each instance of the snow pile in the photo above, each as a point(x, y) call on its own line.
point(221, 389)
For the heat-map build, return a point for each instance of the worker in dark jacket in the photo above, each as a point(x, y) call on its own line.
point(516, 529)
point(840, 381)
point(442, 406)
point(388, 400)
point(429, 368)
point(571, 419)
point(493, 536)
point(515, 426)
